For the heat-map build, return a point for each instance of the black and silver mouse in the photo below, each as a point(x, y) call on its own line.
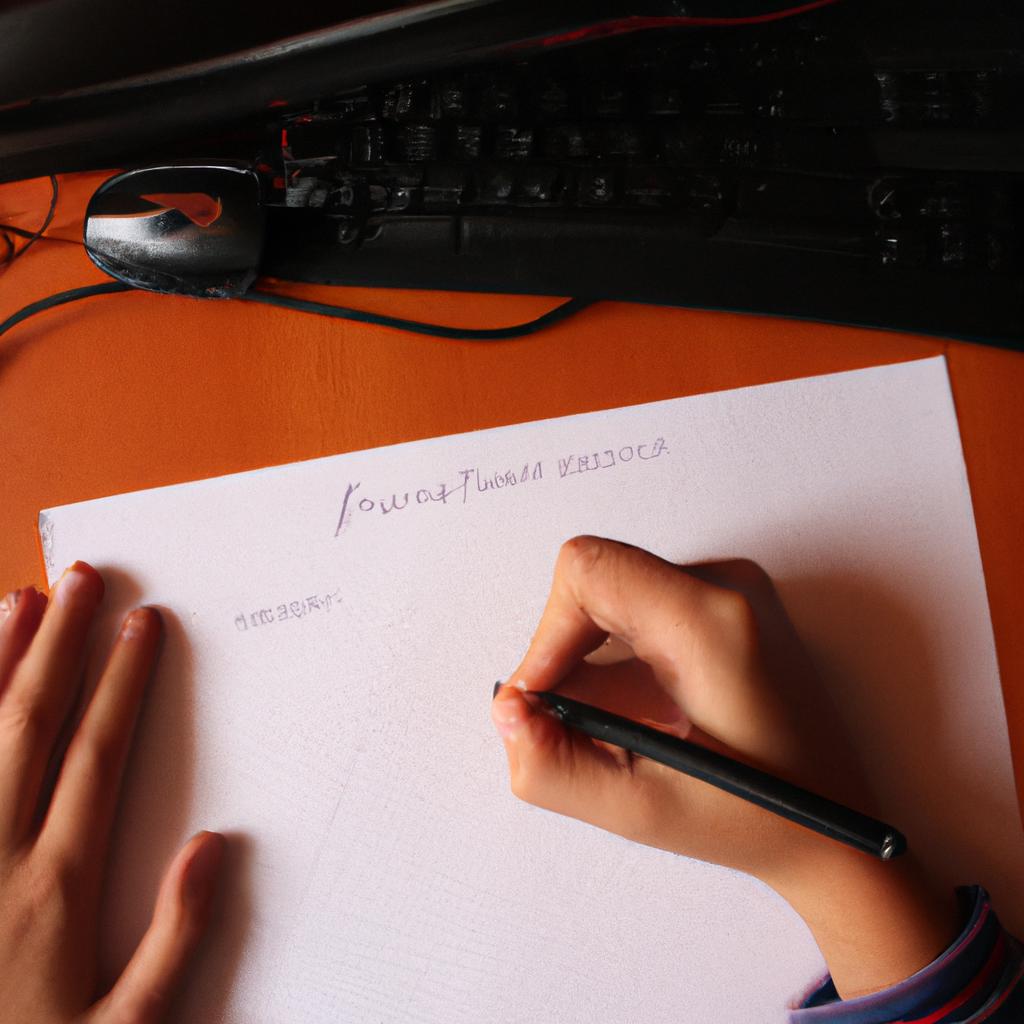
point(193, 229)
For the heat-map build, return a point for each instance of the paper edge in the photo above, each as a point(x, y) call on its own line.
point(45, 526)
point(45, 514)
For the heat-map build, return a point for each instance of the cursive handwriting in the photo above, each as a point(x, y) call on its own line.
point(478, 481)
point(442, 493)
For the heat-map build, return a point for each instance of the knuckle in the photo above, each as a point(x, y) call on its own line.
point(735, 612)
point(96, 757)
point(581, 554)
point(29, 722)
point(52, 891)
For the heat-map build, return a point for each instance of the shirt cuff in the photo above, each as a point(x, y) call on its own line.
point(979, 962)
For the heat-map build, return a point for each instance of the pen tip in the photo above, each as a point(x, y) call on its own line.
point(497, 687)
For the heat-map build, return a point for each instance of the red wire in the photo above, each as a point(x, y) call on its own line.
point(636, 22)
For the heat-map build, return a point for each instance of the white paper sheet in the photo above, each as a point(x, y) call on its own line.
point(324, 695)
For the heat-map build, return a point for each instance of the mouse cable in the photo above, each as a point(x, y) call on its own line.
point(32, 236)
point(561, 312)
point(22, 233)
point(61, 299)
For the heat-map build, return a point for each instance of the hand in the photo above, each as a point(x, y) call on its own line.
point(54, 832)
point(708, 653)
point(705, 652)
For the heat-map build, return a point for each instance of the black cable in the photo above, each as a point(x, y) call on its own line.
point(22, 233)
point(303, 305)
point(61, 299)
point(341, 312)
point(566, 309)
point(34, 236)
point(473, 334)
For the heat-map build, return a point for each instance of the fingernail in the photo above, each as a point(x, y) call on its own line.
point(203, 869)
point(507, 717)
point(137, 622)
point(519, 684)
point(8, 604)
point(75, 579)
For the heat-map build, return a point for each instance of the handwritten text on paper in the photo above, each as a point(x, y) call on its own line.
point(318, 604)
point(476, 481)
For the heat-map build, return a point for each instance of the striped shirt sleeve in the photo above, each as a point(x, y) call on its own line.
point(979, 979)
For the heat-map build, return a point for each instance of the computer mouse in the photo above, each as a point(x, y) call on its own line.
point(191, 229)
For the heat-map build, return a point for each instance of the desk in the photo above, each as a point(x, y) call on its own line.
point(123, 392)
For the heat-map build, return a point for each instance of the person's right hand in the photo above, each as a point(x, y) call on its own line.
point(708, 652)
point(709, 646)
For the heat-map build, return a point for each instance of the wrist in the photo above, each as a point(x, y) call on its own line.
point(875, 922)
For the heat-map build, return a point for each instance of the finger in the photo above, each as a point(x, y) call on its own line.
point(614, 678)
point(611, 652)
point(564, 771)
point(628, 688)
point(20, 613)
point(557, 768)
point(77, 826)
point(700, 639)
point(39, 694)
point(144, 991)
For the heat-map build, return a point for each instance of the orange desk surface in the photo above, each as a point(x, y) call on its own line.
point(122, 392)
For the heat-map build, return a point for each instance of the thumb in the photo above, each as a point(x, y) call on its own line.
point(554, 767)
point(144, 991)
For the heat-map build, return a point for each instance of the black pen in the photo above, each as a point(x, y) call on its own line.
point(783, 798)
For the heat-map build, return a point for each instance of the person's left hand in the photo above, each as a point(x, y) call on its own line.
point(56, 816)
